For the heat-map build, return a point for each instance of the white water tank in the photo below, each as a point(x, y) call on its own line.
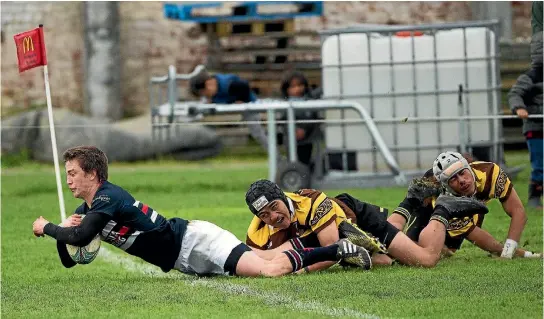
point(348, 81)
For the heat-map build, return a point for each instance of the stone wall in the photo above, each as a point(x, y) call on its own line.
point(63, 37)
point(149, 43)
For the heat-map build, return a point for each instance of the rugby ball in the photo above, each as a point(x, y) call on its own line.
point(85, 254)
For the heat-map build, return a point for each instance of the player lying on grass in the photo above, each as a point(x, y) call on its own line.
point(193, 247)
point(484, 181)
point(310, 218)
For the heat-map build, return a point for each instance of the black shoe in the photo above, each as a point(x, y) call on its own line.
point(349, 254)
point(448, 207)
point(535, 195)
point(535, 202)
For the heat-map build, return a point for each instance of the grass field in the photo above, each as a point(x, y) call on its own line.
point(35, 285)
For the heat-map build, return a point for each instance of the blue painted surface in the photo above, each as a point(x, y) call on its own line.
point(183, 12)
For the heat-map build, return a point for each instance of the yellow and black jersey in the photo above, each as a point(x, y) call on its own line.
point(491, 183)
point(311, 211)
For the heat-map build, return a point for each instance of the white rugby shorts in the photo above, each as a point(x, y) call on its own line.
point(205, 248)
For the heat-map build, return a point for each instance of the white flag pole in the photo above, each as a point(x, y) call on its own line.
point(53, 141)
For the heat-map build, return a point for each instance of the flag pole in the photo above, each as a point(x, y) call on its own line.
point(53, 139)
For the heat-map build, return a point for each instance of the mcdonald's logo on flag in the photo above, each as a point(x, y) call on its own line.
point(30, 49)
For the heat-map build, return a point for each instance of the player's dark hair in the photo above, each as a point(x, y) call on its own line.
point(90, 159)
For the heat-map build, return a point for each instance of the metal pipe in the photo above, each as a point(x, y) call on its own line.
point(293, 156)
point(415, 98)
point(151, 107)
point(400, 148)
point(229, 108)
point(392, 80)
point(498, 149)
point(330, 122)
point(419, 27)
point(490, 98)
point(466, 106)
point(436, 94)
point(159, 79)
point(487, 58)
point(341, 94)
point(171, 91)
point(462, 132)
point(272, 143)
point(371, 98)
point(199, 68)
point(411, 93)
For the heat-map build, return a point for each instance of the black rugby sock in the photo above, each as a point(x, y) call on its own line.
point(301, 258)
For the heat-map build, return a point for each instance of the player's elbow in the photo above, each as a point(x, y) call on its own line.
point(429, 261)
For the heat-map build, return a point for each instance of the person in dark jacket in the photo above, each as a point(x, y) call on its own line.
point(525, 98)
point(229, 89)
point(295, 87)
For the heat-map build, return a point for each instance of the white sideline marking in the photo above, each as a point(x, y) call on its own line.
point(272, 299)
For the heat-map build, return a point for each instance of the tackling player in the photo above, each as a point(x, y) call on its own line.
point(310, 218)
point(483, 181)
point(192, 247)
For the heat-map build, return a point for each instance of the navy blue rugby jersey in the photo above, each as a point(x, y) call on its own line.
point(135, 227)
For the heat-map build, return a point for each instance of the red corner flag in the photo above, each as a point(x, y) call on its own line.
point(30, 54)
point(30, 49)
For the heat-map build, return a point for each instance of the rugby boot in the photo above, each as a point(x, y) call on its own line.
point(349, 230)
point(349, 254)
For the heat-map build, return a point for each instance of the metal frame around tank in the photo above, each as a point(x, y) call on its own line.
point(464, 111)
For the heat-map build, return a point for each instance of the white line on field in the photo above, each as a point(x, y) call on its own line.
point(272, 299)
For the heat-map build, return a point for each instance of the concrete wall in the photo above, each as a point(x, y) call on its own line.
point(149, 43)
point(102, 60)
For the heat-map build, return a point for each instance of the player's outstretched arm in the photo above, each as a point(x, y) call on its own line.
point(514, 208)
point(80, 235)
point(487, 242)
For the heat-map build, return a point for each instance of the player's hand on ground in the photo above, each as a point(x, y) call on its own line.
point(522, 113)
point(71, 221)
point(38, 225)
point(530, 254)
